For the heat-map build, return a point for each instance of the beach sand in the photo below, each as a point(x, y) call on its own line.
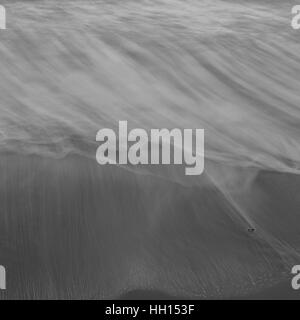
point(73, 229)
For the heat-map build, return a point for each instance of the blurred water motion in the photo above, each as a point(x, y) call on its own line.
point(70, 228)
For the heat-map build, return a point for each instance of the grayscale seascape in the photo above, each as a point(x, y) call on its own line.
point(72, 229)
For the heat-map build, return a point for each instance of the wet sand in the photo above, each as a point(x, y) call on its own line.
point(282, 291)
point(73, 229)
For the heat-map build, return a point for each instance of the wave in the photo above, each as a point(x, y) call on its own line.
point(74, 229)
point(232, 70)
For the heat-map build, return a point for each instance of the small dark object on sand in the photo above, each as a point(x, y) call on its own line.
point(251, 229)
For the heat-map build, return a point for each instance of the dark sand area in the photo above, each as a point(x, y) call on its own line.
point(282, 291)
point(73, 229)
